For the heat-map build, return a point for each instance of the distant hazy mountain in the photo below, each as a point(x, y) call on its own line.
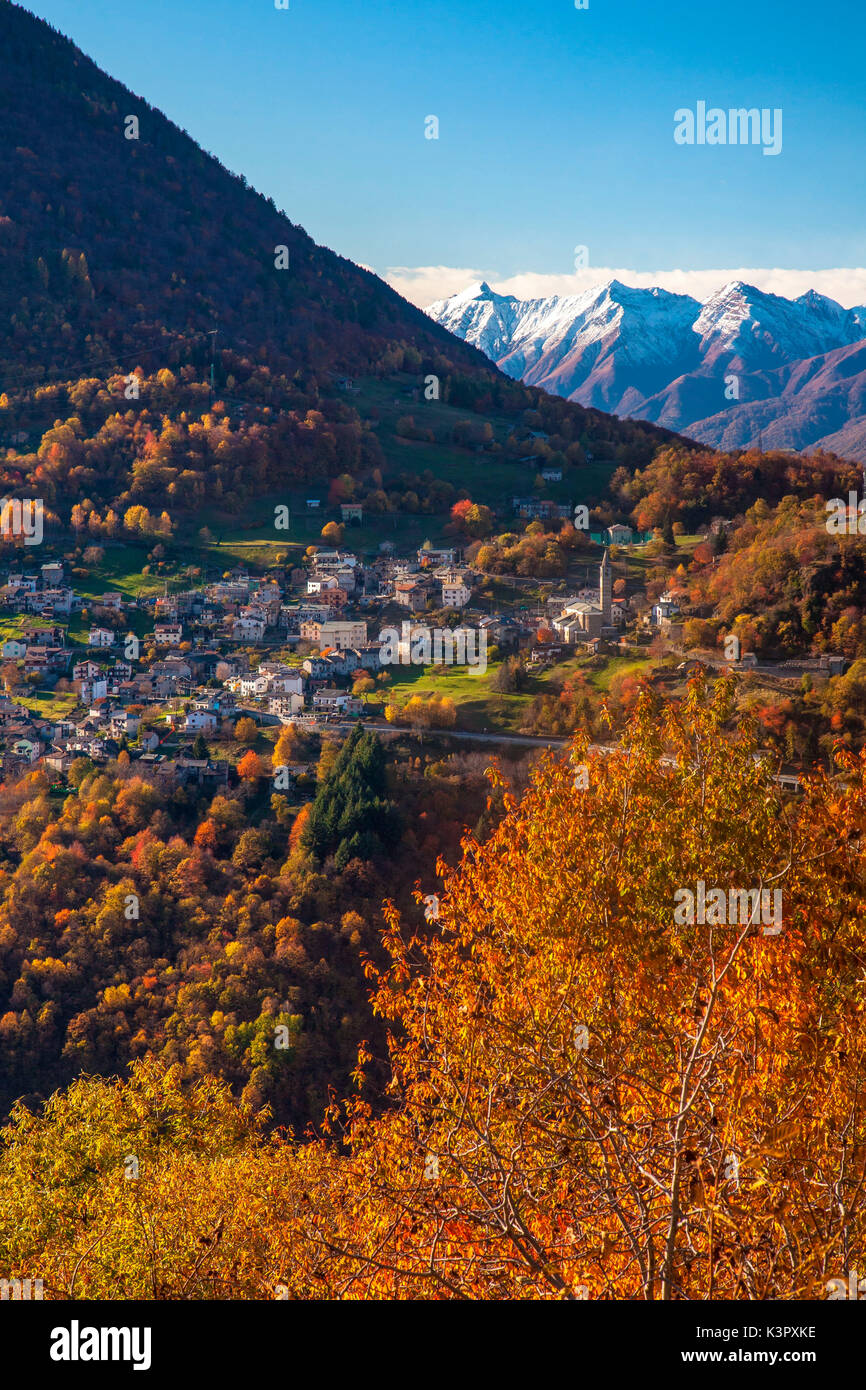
point(742, 364)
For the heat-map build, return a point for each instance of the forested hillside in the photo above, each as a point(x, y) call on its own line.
point(136, 920)
point(144, 255)
point(128, 247)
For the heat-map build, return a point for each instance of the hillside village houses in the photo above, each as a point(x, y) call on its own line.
point(455, 591)
point(336, 633)
point(428, 557)
point(204, 652)
point(665, 611)
point(277, 649)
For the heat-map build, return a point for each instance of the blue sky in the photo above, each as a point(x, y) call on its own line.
point(556, 127)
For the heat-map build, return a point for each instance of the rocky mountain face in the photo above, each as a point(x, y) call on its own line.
point(742, 366)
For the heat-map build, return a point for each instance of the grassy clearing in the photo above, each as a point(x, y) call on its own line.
point(617, 666)
point(45, 704)
point(257, 543)
point(480, 708)
point(120, 571)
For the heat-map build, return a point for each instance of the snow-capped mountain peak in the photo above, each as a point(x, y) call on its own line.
point(661, 356)
point(763, 329)
point(480, 290)
point(560, 341)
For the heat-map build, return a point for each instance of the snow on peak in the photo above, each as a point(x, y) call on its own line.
point(480, 290)
point(822, 302)
point(614, 345)
point(763, 329)
point(562, 338)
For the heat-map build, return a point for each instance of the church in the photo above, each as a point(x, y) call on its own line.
point(579, 621)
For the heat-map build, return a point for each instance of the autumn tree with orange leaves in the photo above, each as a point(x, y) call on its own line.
point(251, 767)
point(591, 1100)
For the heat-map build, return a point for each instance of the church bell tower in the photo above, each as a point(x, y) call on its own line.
point(606, 589)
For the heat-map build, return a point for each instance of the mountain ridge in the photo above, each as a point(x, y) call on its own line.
point(186, 246)
point(696, 367)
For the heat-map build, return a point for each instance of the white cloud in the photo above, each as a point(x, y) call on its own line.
point(423, 284)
